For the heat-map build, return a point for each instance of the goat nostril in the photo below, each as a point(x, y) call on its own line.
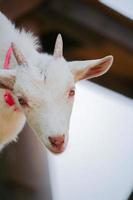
point(57, 141)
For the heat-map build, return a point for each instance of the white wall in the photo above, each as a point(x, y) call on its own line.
point(98, 163)
point(121, 6)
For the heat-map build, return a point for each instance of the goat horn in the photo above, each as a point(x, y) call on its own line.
point(18, 55)
point(58, 50)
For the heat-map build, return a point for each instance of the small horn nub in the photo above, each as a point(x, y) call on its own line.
point(58, 50)
point(18, 55)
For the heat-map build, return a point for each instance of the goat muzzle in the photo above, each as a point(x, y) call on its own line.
point(57, 143)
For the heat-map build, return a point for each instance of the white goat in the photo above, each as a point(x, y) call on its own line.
point(39, 87)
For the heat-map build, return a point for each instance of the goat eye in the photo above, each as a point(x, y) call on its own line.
point(22, 101)
point(71, 93)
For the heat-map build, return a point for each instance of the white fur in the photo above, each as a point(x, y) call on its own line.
point(45, 84)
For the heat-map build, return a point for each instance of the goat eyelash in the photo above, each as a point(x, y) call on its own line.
point(22, 101)
point(71, 92)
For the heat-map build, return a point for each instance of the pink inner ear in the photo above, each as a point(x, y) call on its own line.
point(98, 69)
point(7, 58)
point(95, 70)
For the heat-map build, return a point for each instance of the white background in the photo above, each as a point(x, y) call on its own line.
point(98, 162)
point(124, 7)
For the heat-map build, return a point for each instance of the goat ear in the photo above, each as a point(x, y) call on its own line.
point(18, 55)
point(90, 68)
point(58, 50)
point(7, 79)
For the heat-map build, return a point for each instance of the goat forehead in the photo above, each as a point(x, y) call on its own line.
point(59, 75)
point(58, 80)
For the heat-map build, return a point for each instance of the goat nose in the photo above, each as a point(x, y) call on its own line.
point(57, 143)
point(57, 140)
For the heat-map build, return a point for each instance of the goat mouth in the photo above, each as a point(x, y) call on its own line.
point(57, 144)
point(56, 150)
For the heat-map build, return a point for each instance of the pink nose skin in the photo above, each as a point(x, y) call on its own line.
point(57, 143)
